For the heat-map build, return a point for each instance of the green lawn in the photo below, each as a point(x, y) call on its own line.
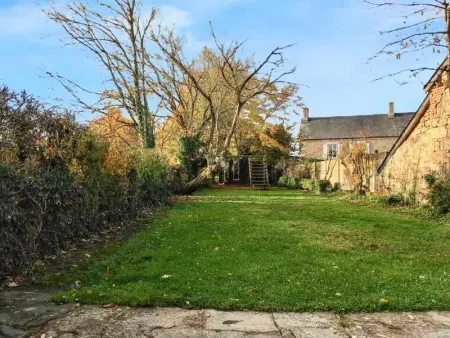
point(277, 250)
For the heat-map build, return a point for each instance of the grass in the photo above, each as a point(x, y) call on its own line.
point(276, 250)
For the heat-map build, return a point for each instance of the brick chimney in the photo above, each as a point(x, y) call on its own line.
point(391, 110)
point(305, 118)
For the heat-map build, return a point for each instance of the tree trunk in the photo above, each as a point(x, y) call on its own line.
point(200, 180)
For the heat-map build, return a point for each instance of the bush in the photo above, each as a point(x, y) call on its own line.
point(395, 199)
point(322, 186)
point(440, 195)
point(282, 182)
point(58, 187)
point(291, 183)
point(430, 179)
point(307, 184)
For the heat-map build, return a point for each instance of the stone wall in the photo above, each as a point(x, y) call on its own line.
point(336, 172)
point(314, 148)
point(422, 150)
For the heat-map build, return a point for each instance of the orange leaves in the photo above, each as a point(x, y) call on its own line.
point(268, 141)
point(116, 130)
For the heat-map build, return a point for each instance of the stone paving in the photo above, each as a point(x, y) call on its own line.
point(31, 314)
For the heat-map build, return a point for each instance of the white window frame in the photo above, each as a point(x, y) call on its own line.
point(329, 152)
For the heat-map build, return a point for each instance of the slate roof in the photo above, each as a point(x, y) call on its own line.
point(342, 127)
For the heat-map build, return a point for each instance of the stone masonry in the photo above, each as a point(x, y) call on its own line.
point(423, 149)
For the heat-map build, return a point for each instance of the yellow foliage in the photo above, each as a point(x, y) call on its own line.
point(121, 137)
point(267, 141)
point(167, 139)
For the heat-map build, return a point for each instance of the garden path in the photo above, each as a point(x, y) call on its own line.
point(26, 312)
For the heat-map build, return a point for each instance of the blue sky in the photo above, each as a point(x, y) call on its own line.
point(334, 40)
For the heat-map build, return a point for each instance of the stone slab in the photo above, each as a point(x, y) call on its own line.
point(240, 321)
point(291, 320)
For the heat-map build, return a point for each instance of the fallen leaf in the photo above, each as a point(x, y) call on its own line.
point(87, 255)
point(383, 300)
point(13, 285)
point(166, 276)
point(166, 295)
point(149, 303)
point(168, 326)
point(338, 294)
point(89, 292)
point(216, 249)
point(108, 306)
point(106, 272)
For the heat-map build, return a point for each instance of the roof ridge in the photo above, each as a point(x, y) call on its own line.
point(361, 115)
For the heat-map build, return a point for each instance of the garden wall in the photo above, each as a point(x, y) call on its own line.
point(336, 172)
point(423, 148)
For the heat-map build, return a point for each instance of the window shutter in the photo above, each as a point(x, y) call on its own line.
point(339, 146)
point(325, 151)
point(368, 148)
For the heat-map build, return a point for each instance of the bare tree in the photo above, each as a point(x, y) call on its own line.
point(426, 26)
point(116, 34)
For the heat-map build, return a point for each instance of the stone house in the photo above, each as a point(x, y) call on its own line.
point(423, 147)
point(322, 139)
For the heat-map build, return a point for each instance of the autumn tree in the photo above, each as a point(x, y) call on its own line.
point(116, 34)
point(425, 27)
point(226, 84)
point(120, 138)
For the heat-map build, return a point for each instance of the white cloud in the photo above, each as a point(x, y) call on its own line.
point(28, 20)
point(23, 19)
point(173, 16)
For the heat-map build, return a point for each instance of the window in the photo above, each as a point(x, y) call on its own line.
point(332, 151)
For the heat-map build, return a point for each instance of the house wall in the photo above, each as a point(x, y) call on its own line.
point(314, 148)
point(336, 172)
point(424, 151)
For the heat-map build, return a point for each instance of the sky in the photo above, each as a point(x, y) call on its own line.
point(333, 41)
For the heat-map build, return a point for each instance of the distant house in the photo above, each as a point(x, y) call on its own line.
point(322, 136)
point(423, 147)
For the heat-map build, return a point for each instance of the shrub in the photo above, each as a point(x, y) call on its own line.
point(440, 195)
point(291, 183)
point(430, 179)
point(322, 186)
point(395, 199)
point(282, 182)
point(307, 184)
point(59, 186)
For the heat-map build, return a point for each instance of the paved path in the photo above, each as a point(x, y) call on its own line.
point(30, 313)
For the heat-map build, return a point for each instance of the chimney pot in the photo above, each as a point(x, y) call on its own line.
point(391, 109)
point(305, 114)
